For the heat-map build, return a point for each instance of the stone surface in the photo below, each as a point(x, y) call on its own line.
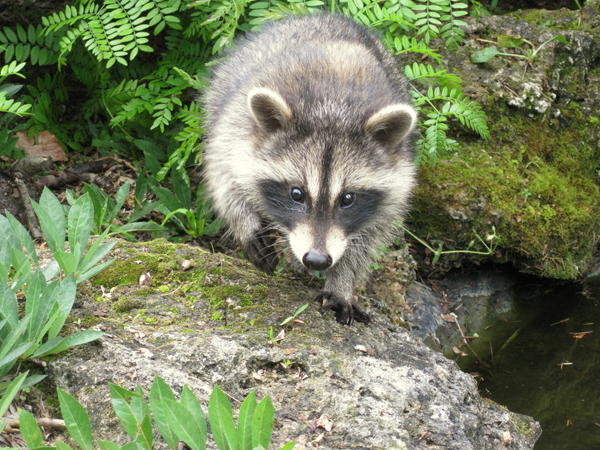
point(379, 384)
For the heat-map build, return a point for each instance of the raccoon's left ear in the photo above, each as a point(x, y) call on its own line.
point(390, 125)
point(269, 109)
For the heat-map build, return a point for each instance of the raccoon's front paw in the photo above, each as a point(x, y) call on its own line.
point(346, 311)
point(262, 253)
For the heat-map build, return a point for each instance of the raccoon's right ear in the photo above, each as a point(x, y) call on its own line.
point(390, 125)
point(269, 109)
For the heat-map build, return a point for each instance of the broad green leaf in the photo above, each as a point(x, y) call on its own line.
point(9, 308)
point(119, 398)
point(484, 55)
point(22, 266)
point(13, 337)
point(30, 430)
point(510, 41)
point(50, 347)
point(52, 220)
point(159, 391)
point(11, 358)
point(190, 401)
point(120, 198)
point(139, 226)
point(80, 221)
point(144, 437)
point(76, 419)
point(130, 407)
point(107, 445)
point(94, 270)
point(560, 38)
point(66, 297)
point(62, 446)
point(23, 236)
point(96, 252)
point(262, 423)
point(180, 419)
point(11, 392)
point(245, 421)
point(68, 262)
point(220, 416)
point(289, 446)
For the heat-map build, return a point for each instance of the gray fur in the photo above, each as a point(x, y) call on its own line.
point(315, 103)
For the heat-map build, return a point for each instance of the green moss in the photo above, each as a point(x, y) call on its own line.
point(537, 188)
point(126, 304)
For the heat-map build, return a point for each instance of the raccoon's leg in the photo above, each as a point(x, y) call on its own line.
point(338, 296)
point(252, 235)
point(260, 251)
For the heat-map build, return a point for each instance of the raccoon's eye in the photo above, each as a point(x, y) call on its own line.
point(297, 195)
point(348, 200)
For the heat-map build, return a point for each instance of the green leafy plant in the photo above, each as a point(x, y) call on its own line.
point(293, 317)
point(47, 303)
point(176, 206)
point(175, 420)
point(80, 262)
point(106, 210)
point(529, 54)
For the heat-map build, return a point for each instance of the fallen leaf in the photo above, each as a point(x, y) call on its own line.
point(145, 279)
point(325, 422)
point(448, 318)
point(289, 351)
point(47, 145)
point(507, 438)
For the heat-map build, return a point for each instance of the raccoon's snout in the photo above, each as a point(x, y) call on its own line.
point(316, 261)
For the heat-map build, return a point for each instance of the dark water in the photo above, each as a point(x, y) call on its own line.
point(549, 370)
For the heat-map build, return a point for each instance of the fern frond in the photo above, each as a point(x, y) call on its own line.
point(28, 43)
point(11, 69)
point(404, 44)
point(9, 105)
point(451, 30)
point(430, 75)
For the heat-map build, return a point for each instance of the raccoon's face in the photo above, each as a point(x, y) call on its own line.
point(318, 217)
point(322, 188)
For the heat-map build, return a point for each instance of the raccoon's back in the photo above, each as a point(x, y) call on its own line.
point(311, 61)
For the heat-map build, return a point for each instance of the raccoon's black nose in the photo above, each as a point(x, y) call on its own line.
point(317, 261)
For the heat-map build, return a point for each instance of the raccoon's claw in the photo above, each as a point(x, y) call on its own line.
point(346, 312)
point(260, 253)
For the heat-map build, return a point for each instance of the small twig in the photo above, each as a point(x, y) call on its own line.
point(41, 421)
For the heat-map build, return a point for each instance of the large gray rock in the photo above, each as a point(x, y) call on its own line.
point(380, 385)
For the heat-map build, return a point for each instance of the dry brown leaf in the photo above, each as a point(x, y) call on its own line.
point(145, 279)
point(448, 318)
point(47, 145)
point(325, 422)
point(289, 351)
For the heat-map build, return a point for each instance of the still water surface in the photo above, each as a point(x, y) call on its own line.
point(551, 369)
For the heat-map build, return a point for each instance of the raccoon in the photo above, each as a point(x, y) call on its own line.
point(309, 136)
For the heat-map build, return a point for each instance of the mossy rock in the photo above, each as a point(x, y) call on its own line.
point(535, 180)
